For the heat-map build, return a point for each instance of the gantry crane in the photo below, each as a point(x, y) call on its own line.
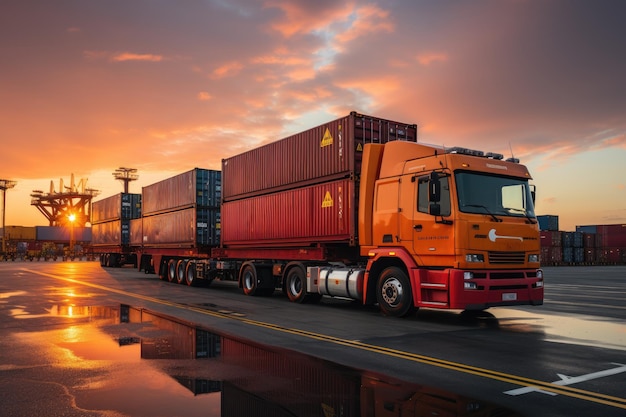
point(70, 202)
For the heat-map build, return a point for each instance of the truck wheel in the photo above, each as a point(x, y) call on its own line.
point(295, 285)
point(171, 270)
point(394, 293)
point(180, 271)
point(190, 274)
point(249, 280)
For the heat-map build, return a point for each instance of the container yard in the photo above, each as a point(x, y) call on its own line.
point(588, 245)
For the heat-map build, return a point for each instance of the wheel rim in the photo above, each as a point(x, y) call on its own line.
point(248, 280)
point(190, 273)
point(295, 285)
point(180, 272)
point(171, 271)
point(391, 291)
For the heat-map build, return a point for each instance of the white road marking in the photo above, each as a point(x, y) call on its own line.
point(569, 380)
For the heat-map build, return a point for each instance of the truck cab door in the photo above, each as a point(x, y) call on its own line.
point(433, 239)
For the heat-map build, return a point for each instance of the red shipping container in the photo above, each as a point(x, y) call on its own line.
point(109, 233)
point(611, 235)
point(122, 206)
point(331, 151)
point(322, 213)
point(545, 239)
point(550, 238)
point(195, 188)
point(190, 228)
point(589, 240)
point(136, 232)
point(551, 255)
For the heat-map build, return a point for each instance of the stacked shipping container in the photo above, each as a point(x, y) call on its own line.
point(111, 217)
point(588, 245)
point(302, 188)
point(181, 211)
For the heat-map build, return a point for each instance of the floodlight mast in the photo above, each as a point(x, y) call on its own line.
point(126, 175)
point(4, 186)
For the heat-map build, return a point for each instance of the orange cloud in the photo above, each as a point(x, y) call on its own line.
point(345, 23)
point(367, 19)
point(129, 56)
point(204, 96)
point(430, 58)
point(227, 70)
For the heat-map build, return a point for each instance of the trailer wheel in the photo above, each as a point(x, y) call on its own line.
point(295, 285)
point(394, 293)
point(171, 270)
point(190, 274)
point(180, 271)
point(249, 280)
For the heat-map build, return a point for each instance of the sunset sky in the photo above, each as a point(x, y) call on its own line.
point(88, 86)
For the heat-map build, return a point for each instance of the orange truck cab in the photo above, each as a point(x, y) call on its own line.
point(446, 228)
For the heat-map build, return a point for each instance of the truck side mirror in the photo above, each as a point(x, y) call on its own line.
point(434, 188)
point(434, 209)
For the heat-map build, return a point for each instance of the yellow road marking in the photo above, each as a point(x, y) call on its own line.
point(414, 357)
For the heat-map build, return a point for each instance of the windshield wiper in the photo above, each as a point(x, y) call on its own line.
point(530, 219)
point(493, 216)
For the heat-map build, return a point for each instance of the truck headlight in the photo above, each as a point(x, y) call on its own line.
point(474, 257)
point(533, 258)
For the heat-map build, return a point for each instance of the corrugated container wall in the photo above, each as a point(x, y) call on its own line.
point(123, 206)
point(322, 213)
point(190, 227)
point(321, 154)
point(136, 232)
point(611, 235)
point(115, 232)
point(196, 188)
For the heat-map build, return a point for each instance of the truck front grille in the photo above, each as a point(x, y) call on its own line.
point(507, 258)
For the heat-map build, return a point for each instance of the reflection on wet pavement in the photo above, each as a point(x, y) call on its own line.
point(120, 360)
point(578, 330)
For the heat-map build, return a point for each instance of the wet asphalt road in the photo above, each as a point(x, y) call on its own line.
point(565, 358)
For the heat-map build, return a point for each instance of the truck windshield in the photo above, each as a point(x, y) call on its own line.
point(494, 195)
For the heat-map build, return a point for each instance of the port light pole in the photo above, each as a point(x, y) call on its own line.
point(4, 186)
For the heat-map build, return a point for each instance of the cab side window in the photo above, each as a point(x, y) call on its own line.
point(422, 196)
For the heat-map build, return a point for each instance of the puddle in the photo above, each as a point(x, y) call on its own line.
point(121, 360)
point(578, 330)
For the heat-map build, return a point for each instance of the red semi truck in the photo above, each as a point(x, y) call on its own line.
point(355, 208)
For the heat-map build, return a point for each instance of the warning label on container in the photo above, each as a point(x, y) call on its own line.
point(328, 200)
point(327, 140)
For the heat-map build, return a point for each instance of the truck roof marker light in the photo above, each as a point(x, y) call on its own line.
point(465, 165)
point(392, 254)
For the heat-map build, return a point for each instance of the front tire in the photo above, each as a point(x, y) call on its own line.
point(393, 292)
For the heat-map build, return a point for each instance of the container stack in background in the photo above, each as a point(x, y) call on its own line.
point(588, 245)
